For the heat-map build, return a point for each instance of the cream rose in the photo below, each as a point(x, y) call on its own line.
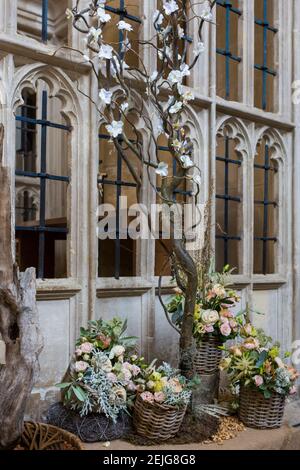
point(209, 317)
point(219, 290)
point(116, 351)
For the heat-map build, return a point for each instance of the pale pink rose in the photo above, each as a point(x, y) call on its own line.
point(209, 329)
point(233, 324)
point(135, 370)
point(127, 375)
point(258, 379)
point(210, 295)
point(78, 352)
point(251, 343)
point(147, 397)
point(86, 348)
point(224, 320)
point(235, 350)
point(131, 387)
point(219, 290)
point(112, 377)
point(81, 366)
point(105, 340)
point(248, 329)
point(175, 385)
point(293, 390)
point(159, 397)
point(225, 329)
point(126, 365)
point(226, 313)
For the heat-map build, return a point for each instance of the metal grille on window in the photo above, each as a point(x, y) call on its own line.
point(229, 193)
point(265, 210)
point(162, 248)
point(41, 185)
point(117, 253)
point(228, 49)
point(265, 71)
point(117, 257)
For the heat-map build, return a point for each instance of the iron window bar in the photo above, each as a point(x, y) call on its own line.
point(119, 183)
point(264, 66)
point(42, 228)
point(229, 56)
point(267, 168)
point(45, 10)
point(227, 197)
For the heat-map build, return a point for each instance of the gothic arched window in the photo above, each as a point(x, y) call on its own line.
point(265, 209)
point(42, 168)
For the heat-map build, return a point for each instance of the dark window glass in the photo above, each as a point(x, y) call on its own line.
point(265, 211)
point(228, 49)
point(229, 194)
point(265, 64)
point(41, 184)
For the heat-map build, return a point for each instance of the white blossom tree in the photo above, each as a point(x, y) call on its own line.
point(167, 97)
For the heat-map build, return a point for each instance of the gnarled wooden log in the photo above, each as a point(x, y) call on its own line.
point(19, 326)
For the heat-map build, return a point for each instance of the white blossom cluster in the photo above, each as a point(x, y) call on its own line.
point(172, 72)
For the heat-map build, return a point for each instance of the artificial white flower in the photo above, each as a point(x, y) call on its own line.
point(175, 77)
point(115, 128)
point(176, 144)
point(158, 17)
point(166, 52)
point(69, 14)
point(200, 47)
point(123, 26)
point(105, 52)
point(206, 14)
point(105, 96)
point(154, 76)
point(181, 32)
point(94, 34)
point(188, 96)
point(124, 106)
point(176, 107)
point(118, 350)
point(170, 6)
point(126, 45)
point(185, 70)
point(197, 179)
point(162, 169)
point(103, 16)
point(86, 58)
point(159, 128)
point(186, 161)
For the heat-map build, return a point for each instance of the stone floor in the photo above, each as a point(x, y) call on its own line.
point(286, 438)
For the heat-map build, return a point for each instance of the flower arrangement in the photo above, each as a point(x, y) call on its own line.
point(105, 373)
point(213, 313)
point(166, 386)
point(256, 363)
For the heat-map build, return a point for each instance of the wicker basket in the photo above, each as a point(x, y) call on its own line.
point(40, 436)
point(258, 412)
point(157, 421)
point(208, 356)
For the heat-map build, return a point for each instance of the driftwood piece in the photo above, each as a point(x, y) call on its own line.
point(19, 326)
